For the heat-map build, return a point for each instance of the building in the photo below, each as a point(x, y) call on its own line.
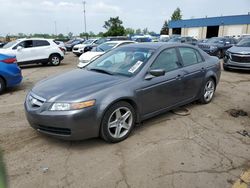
point(211, 27)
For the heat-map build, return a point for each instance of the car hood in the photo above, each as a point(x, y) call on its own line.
point(89, 55)
point(75, 85)
point(80, 45)
point(239, 50)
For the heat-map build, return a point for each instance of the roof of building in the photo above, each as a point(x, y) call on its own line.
point(212, 21)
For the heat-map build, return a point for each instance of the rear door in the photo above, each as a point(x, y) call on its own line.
point(40, 49)
point(193, 72)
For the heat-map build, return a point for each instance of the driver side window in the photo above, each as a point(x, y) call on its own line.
point(167, 60)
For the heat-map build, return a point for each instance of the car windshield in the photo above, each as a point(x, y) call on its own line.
point(244, 43)
point(88, 41)
point(216, 40)
point(125, 61)
point(102, 40)
point(9, 44)
point(105, 47)
point(176, 39)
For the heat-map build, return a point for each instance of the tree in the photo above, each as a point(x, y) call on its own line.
point(145, 31)
point(176, 14)
point(70, 35)
point(114, 27)
point(138, 31)
point(129, 31)
point(165, 29)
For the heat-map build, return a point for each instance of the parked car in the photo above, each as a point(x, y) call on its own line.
point(87, 57)
point(186, 40)
point(121, 88)
point(238, 56)
point(86, 46)
point(34, 50)
point(61, 46)
point(217, 46)
point(143, 39)
point(2, 44)
point(71, 43)
point(10, 72)
point(107, 39)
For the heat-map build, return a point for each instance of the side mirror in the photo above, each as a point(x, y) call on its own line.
point(155, 73)
point(19, 48)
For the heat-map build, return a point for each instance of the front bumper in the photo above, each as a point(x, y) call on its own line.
point(67, 125)
point(228, 63)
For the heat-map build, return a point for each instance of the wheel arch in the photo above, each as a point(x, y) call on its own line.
point(55, 53)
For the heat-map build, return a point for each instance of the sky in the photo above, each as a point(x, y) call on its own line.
point(64, 16)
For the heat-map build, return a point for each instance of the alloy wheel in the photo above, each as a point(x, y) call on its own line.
point(209, 91)
point(120, 122)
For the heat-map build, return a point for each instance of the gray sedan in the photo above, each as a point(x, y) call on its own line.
point(121, 88)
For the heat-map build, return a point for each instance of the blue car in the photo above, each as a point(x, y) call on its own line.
point(10, 72)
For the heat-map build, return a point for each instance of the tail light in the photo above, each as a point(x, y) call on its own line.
point(9, 60)
point(61, 49)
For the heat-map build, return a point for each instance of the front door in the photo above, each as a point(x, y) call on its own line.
point(162, 92)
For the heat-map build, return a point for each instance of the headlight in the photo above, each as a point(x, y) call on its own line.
point(71, 106)
point(213, 47)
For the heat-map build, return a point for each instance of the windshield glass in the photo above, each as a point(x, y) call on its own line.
point(216, 40)
point(176, 39)
point(105, 47)
point(125, 61)
point(9, 44)
point(88, 41)
point(102, 40)
point(244, 43)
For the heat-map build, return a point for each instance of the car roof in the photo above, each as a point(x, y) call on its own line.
point(156, 45)
point(119, 41)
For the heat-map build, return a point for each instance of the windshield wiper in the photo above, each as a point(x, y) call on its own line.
point(101, 71)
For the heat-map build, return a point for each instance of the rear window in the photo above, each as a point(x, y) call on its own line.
point(38, 43)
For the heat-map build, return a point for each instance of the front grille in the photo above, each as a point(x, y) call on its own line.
point(35, 101)
point(55, 130)
point(240, 58)
point(75, 48)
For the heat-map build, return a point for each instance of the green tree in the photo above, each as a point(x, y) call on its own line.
point(145, 31)
point(138, 31)
point(114, 27)
point(176, 14)
point(165, 29)
point(60, 36)
point(129, 31)
point(70, 35)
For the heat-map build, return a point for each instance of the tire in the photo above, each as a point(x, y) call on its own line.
point(118, 122)
point(208, 91)
point(55, 59)
point(2, 85)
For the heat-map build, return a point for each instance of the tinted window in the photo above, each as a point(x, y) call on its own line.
point(37, 43)
point(190, 56)
point(167, 60)
point(25, 44)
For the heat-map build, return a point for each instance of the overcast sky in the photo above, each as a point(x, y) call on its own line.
point(39, 16)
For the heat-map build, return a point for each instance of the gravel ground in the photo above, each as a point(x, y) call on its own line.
point(202, 149)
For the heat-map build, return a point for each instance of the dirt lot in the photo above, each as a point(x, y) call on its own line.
point(200, 150)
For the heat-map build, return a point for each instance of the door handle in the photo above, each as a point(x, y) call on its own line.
point(203, 69)
point(178, 77)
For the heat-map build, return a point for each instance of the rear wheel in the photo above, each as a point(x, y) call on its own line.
point(2, 85)
point(208, 91)
point(118, 122)
point(55, 60)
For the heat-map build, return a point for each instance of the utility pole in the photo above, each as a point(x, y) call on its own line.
point(55, 28)
point(84, 12)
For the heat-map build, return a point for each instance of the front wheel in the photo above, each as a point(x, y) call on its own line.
point(208, 91)
point(118, 122)
point(55, 60)
point(2, 85)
